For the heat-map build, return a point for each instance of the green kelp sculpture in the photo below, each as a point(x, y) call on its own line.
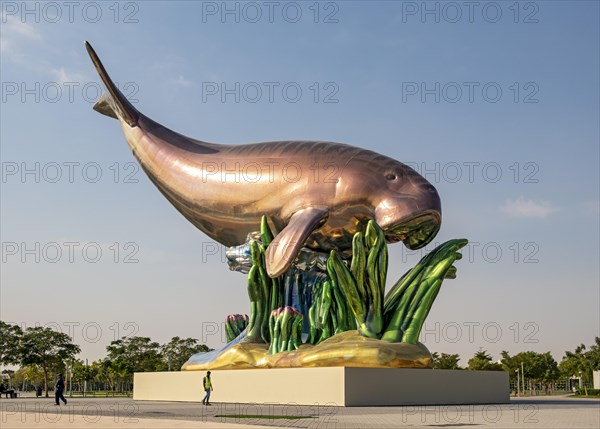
point(285, 328)
point(347, 316)
point(408, 303)
point(235, 325)
point(358, 290)
point(265, 293)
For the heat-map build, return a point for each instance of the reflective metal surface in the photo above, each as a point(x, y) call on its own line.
point(315, 194)
point(345, 349)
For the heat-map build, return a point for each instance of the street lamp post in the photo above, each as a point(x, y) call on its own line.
point(85, 378)
point(517, 371)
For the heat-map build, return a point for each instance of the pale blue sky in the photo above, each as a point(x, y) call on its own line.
point(371, 58)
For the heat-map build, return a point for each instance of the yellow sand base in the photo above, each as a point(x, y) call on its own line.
point(347, 349)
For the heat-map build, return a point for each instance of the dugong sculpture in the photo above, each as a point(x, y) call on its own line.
point(316, 194)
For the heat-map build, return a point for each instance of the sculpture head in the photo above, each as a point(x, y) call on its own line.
point(408, 207)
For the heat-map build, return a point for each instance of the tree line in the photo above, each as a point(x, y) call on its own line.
point(540, 368)
point(41, 353)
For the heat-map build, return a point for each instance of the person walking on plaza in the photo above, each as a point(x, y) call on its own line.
point(207, 383)
point(60, 388)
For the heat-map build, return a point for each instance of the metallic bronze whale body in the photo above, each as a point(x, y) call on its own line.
point(316, 194)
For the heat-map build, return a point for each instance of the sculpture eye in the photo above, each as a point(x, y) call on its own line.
point(391, 176)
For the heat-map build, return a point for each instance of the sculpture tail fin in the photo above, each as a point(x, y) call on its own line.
point(113, 103)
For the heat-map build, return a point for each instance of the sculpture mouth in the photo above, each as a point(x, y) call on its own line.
point(415, 231)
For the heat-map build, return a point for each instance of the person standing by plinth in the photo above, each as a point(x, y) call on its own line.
point(60, 388)
point(207, 383)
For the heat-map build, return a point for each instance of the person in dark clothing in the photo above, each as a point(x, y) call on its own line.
point(60, 388)
point(4, 390)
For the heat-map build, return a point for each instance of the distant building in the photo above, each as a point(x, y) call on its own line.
point(596, 377)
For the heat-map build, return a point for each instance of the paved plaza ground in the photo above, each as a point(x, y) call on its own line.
point(536, 412)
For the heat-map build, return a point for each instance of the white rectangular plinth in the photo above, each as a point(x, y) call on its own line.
point(287, 385)
point(335, 386)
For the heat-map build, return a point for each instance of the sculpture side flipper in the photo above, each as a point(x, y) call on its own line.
point(285, 247)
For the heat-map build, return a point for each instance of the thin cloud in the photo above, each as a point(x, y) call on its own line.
point(62, 76)
point(14, 32)
point(181, 81)
point(12, 26)
point(528, 208)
